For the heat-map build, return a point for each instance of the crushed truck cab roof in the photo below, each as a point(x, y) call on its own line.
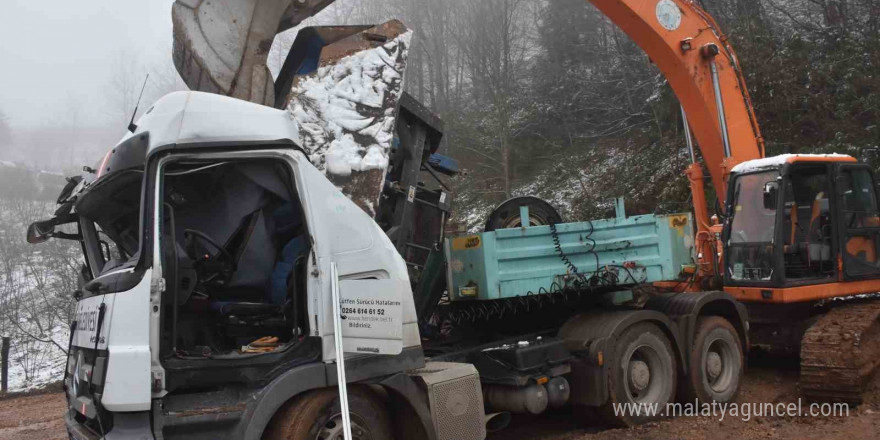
point(196, 119)
point(188, 120)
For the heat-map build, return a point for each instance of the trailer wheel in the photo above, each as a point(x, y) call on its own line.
point(716, 362)
point(642, 377)
point(316, 415)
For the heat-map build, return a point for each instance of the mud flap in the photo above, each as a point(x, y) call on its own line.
point(591, 336)
point(410, 403)
point(685, 308)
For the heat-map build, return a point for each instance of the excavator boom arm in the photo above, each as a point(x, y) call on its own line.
point(684, 42)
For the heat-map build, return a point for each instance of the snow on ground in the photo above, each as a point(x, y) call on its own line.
point(38, 364)
point(34, 297)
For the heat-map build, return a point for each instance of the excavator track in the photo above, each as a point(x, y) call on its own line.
point(840, 352)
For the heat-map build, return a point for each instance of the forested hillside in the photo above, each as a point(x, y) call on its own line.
point(550, 98)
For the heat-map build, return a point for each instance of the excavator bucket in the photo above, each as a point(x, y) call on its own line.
point(341, 84)
point(221, 46)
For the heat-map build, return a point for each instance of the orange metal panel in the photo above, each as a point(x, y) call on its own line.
point(803, 293)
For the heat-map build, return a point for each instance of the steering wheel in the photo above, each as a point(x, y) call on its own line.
point(216, 270)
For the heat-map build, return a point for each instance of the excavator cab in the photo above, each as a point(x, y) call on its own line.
point(798, 221)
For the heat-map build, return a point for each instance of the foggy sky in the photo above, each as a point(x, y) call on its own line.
point(57, 54)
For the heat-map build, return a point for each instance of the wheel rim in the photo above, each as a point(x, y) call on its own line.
point(720, 365)
point(516, 222)
point(332, 429)
point(644, 375)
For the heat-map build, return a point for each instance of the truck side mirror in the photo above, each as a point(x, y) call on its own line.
point(40, 232)
point(771, 193)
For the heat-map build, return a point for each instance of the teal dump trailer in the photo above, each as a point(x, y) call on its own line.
point(623, 251)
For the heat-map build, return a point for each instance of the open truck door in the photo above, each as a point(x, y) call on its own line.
point(372, 315)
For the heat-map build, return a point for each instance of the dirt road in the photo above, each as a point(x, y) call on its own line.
point(39, 418)
point(762, 384)
point(33, 418)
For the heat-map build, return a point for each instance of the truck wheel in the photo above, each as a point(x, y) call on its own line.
point(716, 362)
point(642, 377)
point(316, 415)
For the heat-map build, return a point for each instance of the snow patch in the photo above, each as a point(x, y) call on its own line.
point(778, 161)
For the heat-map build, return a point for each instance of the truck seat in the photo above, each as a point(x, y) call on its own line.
point(818, 247)
point(245, 309)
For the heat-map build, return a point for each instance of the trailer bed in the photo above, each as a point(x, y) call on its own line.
point(622, 251)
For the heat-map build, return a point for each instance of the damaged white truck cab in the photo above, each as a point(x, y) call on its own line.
point(206, 310)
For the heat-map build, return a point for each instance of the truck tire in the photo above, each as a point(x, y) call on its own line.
point(316, 415)
point(642, 374)
point(716, 362)
point(506, 215)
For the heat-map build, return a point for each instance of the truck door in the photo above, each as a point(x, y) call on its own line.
point(859, 222)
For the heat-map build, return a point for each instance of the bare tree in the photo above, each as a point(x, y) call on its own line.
point(496, 42)
point(36, 305)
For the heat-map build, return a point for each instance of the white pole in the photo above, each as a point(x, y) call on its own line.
point(340, 352)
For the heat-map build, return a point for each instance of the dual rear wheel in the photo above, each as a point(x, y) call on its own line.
point(717, 361)
point(644, 373)
point(642, 378)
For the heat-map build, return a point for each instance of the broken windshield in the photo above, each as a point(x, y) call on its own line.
point(110, 210)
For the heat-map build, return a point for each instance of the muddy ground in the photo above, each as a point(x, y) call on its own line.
point(39, 418)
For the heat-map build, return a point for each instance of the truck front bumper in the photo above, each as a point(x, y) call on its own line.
point(128, 426)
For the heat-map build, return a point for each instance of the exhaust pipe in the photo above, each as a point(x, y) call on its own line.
point(497, 421)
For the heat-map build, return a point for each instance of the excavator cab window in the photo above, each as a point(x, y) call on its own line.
point(753, 227)
point(781, 231)
point(860, 222)
point(808, 238)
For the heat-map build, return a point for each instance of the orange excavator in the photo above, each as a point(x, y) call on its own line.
point(795, 237)
point(799, 237)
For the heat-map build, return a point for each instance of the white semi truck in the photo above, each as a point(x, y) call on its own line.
point(215, 234)
point(208, 229)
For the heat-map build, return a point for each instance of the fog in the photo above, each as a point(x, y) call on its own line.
point(59, 54)
point(67, 71)
point(72, 71)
